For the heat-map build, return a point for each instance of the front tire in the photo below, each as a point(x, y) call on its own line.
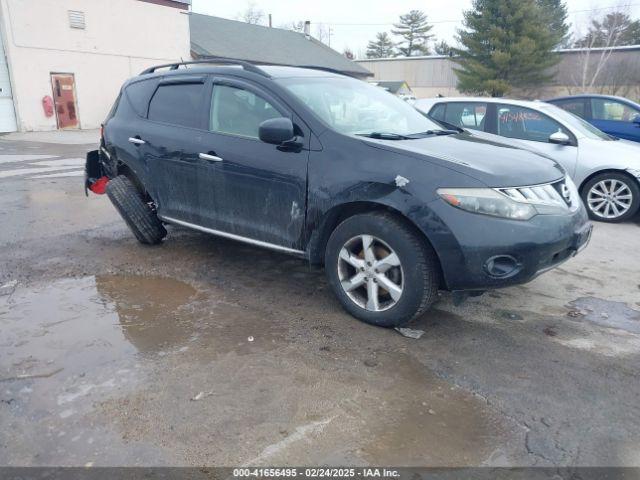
point(611, 197)
point(381, 270)
point(136, 212)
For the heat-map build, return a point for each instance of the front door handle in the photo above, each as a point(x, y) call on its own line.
point(211, 158)
point(136, 141)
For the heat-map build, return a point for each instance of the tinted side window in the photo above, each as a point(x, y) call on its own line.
point(577, 107)
point(467, 115)
point(526, 124)
point(238, 112)
point(177, 104)
point(604, 109)
point(139, 94)
point(437, 112)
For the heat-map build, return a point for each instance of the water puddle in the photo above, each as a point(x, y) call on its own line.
point(608, 314)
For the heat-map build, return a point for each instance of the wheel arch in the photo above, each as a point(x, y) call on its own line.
point(607, 170)
point(339, 213)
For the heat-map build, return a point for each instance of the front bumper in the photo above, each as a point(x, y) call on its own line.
point(479, 252)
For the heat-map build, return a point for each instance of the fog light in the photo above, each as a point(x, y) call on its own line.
point(501, 266)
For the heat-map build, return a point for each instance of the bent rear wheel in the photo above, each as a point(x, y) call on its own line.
point(136, 212)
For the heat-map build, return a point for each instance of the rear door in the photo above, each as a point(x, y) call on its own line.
point(251, 188)
point(534, 128)
point(615, 118)
point(169, 142)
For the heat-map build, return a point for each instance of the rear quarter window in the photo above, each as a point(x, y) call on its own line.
point(139, 94)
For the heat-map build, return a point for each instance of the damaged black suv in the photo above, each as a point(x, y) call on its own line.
point(340, 172)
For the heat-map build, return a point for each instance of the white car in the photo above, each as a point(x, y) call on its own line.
point(606, 169)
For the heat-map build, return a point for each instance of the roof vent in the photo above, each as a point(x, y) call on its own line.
point(307, 28)
point(76, 19)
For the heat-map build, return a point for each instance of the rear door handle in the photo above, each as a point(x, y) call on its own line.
point(136, 141)
point(211, 158)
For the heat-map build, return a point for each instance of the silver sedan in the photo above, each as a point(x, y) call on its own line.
point(606, 169)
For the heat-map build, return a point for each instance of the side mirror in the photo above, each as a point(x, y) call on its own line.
point(276, 130)
point(636, 120)
point(559, 138)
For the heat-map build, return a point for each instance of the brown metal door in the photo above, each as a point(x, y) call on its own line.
point(64, 97)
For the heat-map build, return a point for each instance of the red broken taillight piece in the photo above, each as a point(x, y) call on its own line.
point(99, 186)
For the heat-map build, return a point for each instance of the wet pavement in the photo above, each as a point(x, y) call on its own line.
point(202, 351)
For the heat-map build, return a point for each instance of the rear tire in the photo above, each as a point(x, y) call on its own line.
point(398, 259)
point(136, 212)
point(606, 205)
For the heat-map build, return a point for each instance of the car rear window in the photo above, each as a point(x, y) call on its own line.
point(178, 104)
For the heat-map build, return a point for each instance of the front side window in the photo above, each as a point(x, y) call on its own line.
point(466, 115)
point(235, 111)
point(351, 106)
point(526, 124)
point(576, 107)
point(605, 109)
point(177, 104)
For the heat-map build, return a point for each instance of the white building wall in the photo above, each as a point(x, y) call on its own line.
point(120, 39)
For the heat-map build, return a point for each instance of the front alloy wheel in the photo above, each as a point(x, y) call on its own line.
point(611, 197)
point(370, 273)
point(381, 269)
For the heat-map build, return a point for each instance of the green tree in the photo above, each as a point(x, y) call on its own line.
point(614, 29)
point(443, 48)
point(414, 30)
point(382, 47)
point(556, 14)
point(506, 44)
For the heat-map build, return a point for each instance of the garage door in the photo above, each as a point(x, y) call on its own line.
point(7, 113)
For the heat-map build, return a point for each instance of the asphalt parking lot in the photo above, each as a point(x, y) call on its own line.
point(203, 351)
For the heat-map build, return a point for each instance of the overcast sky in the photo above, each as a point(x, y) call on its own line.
point(354, 22)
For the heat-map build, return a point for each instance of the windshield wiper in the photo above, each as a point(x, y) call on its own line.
point(434, 132)
point(385, 136)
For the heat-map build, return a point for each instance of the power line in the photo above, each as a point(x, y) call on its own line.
point(338, 24)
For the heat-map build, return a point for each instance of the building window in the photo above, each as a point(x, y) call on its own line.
point(76, 19)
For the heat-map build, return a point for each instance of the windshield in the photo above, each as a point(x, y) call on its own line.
point(577, 123)
point(352, 106)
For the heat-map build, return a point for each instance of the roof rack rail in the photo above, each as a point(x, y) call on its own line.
point(326, 69)
point(249, 67)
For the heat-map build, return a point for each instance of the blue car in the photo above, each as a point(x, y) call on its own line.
point(616, 116)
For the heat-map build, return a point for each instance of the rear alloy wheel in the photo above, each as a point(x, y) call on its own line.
point(381, 269)
point(611, 197)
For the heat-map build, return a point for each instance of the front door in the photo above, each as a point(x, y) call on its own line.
point(253, 189)
point(64, 98)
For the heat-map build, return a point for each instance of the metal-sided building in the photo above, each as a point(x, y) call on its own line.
point(618, 73)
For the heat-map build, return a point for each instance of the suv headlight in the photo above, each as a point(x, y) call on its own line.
point(517, 203)
point(488, 202)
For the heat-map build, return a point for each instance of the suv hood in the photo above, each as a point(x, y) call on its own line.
point(483, 157)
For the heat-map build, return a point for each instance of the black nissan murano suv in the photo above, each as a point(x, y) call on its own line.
point(327, 167)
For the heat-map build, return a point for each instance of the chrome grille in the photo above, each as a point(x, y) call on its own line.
point(560, 193)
